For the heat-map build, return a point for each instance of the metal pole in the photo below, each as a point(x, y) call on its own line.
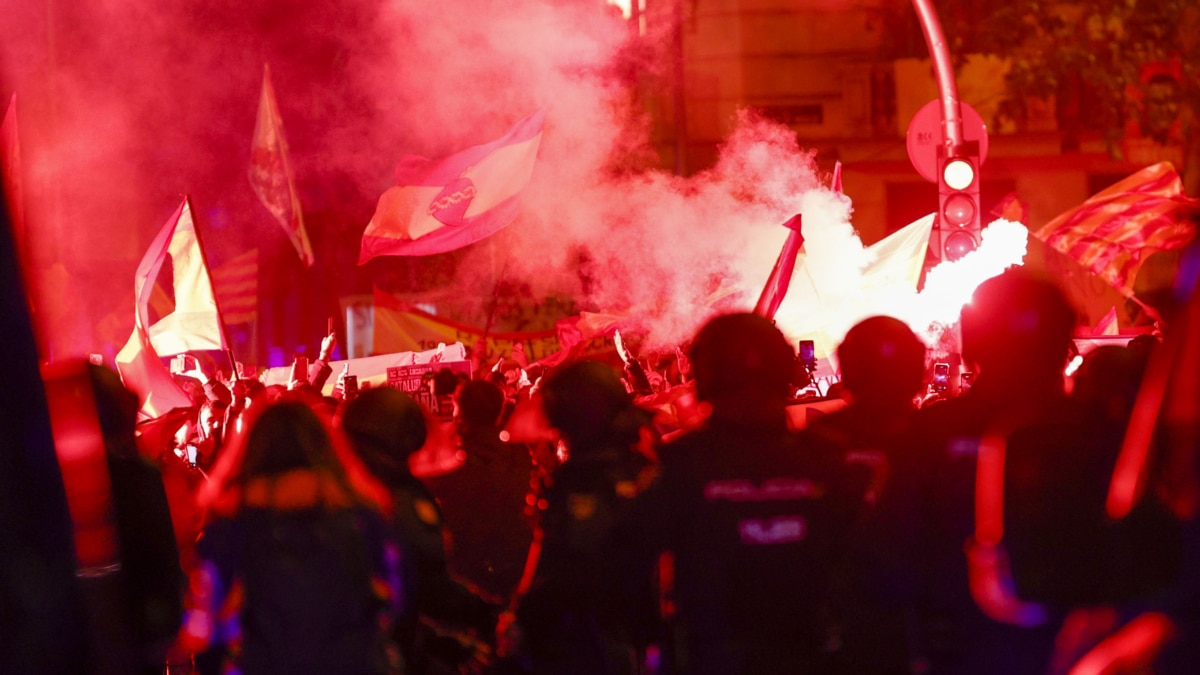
point(952, 133)
point(681, 139)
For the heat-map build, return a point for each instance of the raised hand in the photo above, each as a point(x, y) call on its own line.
point(327, 345)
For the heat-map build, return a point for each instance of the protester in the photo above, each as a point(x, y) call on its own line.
point(244, 390)
point(294, 576)
point(1146, 621)
point(320, 370)
point(199, 440)
point(144, 596)
point(442, 387)
point(571, 613)
point(751, 512)
point(484, 499)
point(386, 426)
point(1062, 545)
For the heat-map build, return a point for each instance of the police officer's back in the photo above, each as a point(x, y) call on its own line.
point(882, 364)
point(1016, 335)
point(577, 605)
point(483, 501)
point(750, 511)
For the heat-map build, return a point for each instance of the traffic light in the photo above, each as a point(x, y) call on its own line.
point(959, 219)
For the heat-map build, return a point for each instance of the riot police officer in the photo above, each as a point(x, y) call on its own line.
point(750, 511)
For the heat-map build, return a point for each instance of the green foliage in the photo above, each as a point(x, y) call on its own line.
point(1087, 53)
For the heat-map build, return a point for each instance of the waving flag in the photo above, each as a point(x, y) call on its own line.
point(1010, 207)
point(194, 324)
point(442, 205)
point(1114, 231)
point(896, 260)
point(781, 275)
point(236, 281)
point(575, 332)
point(271, 173)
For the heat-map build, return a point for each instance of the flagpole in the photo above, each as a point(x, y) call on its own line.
point(217, 303)
point(1150, 311)
point(777, 283)
point(487, 328)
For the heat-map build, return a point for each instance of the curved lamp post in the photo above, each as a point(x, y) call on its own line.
point(952, 128)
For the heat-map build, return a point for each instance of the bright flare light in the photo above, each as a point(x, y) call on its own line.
point(950, 285)
point(623, 5)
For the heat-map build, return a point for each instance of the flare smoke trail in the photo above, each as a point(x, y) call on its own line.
point(131, 103)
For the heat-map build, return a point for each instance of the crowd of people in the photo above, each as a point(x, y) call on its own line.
point(963, 532)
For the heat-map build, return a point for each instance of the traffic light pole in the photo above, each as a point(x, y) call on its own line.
point(951, 157)
point(952, 126)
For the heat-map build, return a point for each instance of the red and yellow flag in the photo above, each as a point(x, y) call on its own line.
point(781, 275)
point(442, 205)
point(271, 172)
point(236, 282)
point(1113, 232)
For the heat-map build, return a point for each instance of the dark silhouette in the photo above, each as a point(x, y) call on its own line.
point(296, 543)
point(882, 364)
point(483, 501)
point(575, 601)
point(386, 426)
point(1016, 336)
point(751, 512)
point(39, 603)
point(148, 606)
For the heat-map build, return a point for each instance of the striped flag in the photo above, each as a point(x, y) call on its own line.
point(271, 173)
point(575, 332)
point(236, 284)
point(1113, 232)
point(442, 205)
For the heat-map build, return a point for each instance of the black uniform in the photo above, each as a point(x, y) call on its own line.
point(752, 515)
point(872, 624)
point(431, 592)
point(483, 503)
point(586, 610)
point(929, 514)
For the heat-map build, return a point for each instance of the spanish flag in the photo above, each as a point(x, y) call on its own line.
point(438, 206)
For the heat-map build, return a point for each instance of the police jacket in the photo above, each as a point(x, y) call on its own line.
point(581, 598)
point(752, 515)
